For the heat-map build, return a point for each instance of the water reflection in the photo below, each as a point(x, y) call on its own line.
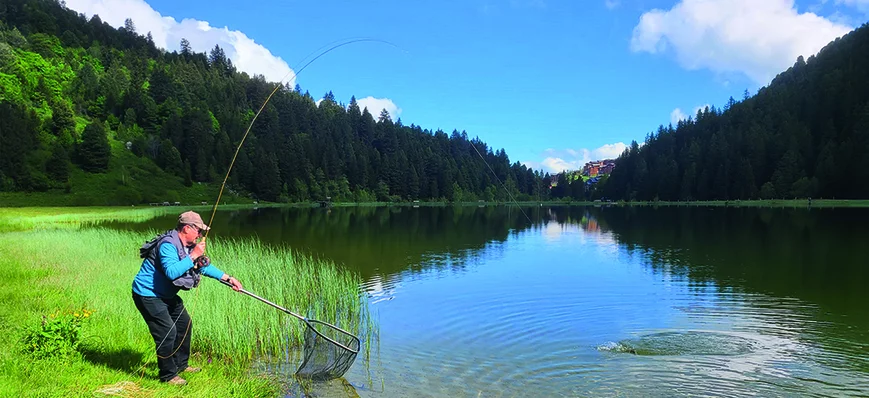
point(383, 244)
point(809, 254)
point(481, 301)
point(798, 261)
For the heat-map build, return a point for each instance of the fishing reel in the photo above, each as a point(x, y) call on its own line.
point(201, 262)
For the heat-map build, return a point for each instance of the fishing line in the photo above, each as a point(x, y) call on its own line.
point(235, 156)
point(502, 184)
point(279, 85)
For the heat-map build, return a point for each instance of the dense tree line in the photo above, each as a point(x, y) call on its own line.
point(74, 89)
point(805, 135)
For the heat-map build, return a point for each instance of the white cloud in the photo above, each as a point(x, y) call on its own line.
point(557, 161)
point(611, 4)
point(700, 108)
point(375, 105)
point(677, 115)
point(246, 54)
point(557, 165)
point(756, 38)
point(608, 151)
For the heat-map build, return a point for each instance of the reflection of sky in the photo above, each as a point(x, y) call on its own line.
point(528, 315)
point(585, 231)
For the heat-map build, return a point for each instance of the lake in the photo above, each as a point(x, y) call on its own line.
point(592, 301)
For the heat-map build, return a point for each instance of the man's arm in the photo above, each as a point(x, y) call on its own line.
point(216, 273)
point(172, 266)
point(213, 272)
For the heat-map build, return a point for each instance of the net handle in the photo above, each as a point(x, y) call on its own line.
point(303, 319)
point(265, 301)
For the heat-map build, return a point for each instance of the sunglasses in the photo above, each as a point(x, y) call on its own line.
point(200, 231)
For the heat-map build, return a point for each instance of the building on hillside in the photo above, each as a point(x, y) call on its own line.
point(598, 168)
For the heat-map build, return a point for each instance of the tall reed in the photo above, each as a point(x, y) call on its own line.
point(48, 270)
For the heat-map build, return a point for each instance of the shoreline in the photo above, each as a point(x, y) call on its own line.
point(42, 267)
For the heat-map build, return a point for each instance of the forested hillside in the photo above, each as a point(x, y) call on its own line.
point(82, 102)
point(100, 114)
point(805, 135)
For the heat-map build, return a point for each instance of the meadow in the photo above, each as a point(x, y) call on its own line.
point(70, 327)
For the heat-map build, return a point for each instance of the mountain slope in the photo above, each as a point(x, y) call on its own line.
point(805, 135)
point(71, 87)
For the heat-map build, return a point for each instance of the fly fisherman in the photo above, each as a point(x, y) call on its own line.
point(172, 261)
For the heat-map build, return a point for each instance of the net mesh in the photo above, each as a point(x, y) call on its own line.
point(325, 360)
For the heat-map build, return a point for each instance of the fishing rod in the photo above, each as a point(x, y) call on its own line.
point(331, 47)
point(277, 87)
point(502, 184)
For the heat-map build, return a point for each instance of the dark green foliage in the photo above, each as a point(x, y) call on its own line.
point(94, 151)
point(56, 335)
point(188, 111)
point(45, 45)
point(57, 166)
point(170, 159)
point(806, 135)
point(63, 123)
point(18, 137)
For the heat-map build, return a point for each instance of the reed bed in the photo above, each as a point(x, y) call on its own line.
point(47, 271)
point(25, 218)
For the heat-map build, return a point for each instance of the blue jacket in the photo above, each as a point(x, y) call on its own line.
point(160, 267)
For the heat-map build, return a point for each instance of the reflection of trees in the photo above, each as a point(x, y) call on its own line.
point(812, 255)
point(372, 240)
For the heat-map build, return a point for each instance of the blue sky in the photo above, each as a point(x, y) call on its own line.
point(554, 83)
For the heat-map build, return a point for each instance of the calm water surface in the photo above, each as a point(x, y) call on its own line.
point(594, 301)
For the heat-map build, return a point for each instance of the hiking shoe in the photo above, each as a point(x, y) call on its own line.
point(191, 369)
point(178, 381)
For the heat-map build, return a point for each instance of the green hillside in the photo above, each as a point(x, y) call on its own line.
point(97, 115)
point(805, 135)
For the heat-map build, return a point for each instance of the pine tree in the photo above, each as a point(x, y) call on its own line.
point(185, 48)
point(57, 165)
point(94, 151)
point(129, 26)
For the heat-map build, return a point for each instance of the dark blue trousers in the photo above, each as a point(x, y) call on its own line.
point(171, 328)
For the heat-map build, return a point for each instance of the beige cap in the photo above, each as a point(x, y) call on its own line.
point(192, 218)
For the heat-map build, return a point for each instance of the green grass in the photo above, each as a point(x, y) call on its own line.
point(22, 218)
point(128, 180)
point(46, 271)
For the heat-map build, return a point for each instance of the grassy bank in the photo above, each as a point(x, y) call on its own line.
point(52, 272)
point(23, 218)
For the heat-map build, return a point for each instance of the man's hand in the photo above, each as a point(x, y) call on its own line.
point(236, 285)
point(198, 250)
point(201, 262)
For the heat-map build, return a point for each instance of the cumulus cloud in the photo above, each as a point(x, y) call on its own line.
point(678, 114)
point(558, 160)
point(611, 4)
point(375, 105)
point(245, 53)
point(756, 38)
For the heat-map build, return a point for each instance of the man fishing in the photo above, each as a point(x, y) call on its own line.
point(172, 261)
